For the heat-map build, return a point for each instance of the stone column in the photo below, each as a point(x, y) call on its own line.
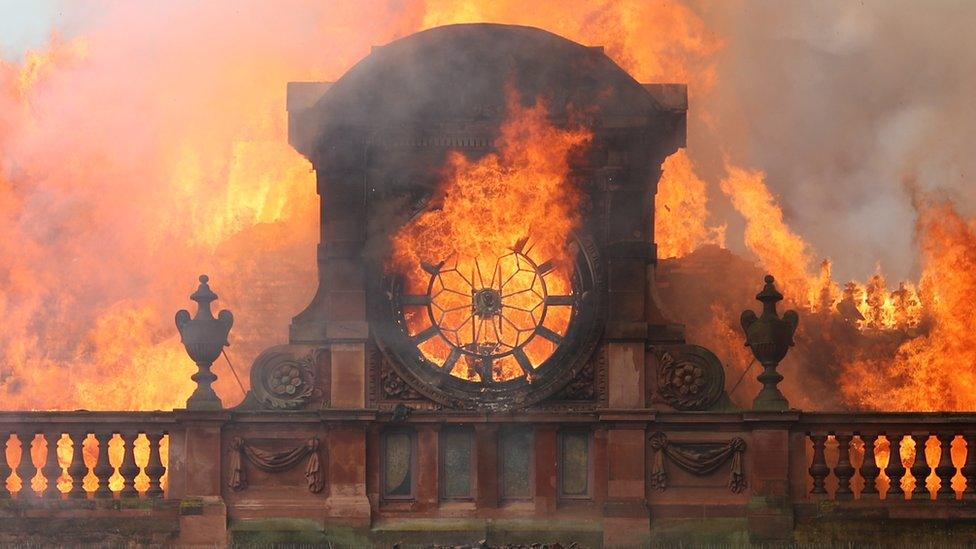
point(626, 518)
point(336, 318)
point(428, 487)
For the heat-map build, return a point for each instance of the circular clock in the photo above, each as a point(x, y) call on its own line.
point(494, 332)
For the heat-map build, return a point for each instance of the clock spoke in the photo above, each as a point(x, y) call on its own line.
point(425, 335)
point(411, 299)
point(523, 361)
point(546, 333)
point(559, 300)
point(451, 360)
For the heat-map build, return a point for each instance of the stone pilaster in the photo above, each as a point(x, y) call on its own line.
point(195, 475)
point(347, 501)
point(770, 511)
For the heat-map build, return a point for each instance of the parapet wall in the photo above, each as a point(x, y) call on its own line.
point(323, 476)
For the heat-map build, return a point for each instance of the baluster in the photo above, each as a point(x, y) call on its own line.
point(154, 468)
point(945, 469)
point(869, 468)
point(129, 469)
point(103, 467)
point(52, 469)
point(895, 468)
point(26, 469)
point(920, 467)
point(5, 469)
point(969, 467)
point(844, 471)
point(818, 469)
point(77, 468)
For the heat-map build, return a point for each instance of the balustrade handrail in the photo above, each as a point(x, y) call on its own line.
point(854, 422)
point(87, 416)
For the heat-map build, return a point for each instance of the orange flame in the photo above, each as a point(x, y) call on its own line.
point(120, 182)
point(501, 229)
point(780, 250)
point(681, 209)
point(929, 372)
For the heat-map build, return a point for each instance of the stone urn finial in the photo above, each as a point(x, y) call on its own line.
point(204, 338)
point(769, 337)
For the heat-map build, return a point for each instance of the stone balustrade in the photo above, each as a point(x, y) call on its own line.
point(209, 476)
point(852, 456)
point(83, 455)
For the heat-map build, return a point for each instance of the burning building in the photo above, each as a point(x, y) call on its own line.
point(487, 356)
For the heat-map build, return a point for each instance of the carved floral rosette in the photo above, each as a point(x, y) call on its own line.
point(284, 380)
point(690, 377)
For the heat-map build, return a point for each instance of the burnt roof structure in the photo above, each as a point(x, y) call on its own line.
point(459, 73)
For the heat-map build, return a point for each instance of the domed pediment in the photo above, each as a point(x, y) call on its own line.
point(460, 73)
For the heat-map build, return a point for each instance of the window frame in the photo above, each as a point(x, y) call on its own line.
point(561, 468)
point(412, 436)
point(469, 433)
point(508, 431)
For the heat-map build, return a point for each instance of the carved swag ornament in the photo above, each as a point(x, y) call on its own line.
point(698, 458)
point(275, 462)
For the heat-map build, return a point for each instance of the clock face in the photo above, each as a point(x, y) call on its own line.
point(495, 331)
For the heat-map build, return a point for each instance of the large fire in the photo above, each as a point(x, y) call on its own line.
point(681, 210)
point(493, 255)
point(124, 174)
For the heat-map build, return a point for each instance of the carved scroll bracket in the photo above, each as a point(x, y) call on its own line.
point(275, 462)
point(697, 458)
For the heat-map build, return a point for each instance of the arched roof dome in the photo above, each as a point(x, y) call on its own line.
point(460, 72)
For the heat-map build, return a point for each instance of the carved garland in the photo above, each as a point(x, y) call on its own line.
point(698, 458)
point(275, 462)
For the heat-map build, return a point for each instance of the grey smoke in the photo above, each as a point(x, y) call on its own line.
point(839, 102)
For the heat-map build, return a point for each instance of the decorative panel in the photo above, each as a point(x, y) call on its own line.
point(399, 464)
point(574, 464)
point(456, 463)
point(516, 463)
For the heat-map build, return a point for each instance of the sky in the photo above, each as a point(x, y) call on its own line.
point(26, 24)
